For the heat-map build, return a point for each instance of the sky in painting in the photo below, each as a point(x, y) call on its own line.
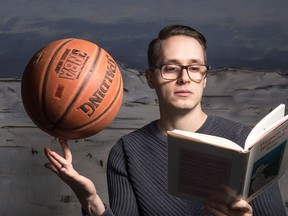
point(250, 34)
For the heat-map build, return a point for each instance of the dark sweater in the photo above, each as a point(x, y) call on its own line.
point(137, 174)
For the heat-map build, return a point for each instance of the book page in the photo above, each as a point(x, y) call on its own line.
point(268, 160)
point(269, 122)
point(208, 139)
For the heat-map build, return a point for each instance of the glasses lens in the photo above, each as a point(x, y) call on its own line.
point(170, 71)
point(197, 71)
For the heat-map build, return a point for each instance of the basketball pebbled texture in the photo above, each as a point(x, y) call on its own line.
point(72, 89)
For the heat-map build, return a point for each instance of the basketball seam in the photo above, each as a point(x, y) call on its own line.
point(46, 80)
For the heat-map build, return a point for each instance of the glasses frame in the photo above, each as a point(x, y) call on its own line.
point(186, 68)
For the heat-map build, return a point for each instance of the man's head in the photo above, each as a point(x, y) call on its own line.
point(177, 68)
point(154, 49)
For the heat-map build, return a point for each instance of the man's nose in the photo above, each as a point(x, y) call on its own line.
point(184, 77)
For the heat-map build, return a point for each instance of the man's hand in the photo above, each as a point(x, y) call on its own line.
point(83, 187)
point(238, 207)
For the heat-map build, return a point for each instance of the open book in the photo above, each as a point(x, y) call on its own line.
point(202, 165)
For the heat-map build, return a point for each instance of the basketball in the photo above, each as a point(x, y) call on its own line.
point(72, 89)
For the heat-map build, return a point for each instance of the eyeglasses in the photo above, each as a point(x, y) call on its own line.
point(196, 72)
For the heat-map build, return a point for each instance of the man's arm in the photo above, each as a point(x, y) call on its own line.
point(83, 187)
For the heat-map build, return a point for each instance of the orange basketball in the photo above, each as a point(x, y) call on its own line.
point(72, 89)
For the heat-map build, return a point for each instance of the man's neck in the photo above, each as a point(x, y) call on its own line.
point(189, 122)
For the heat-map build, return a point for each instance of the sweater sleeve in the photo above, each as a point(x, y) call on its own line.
point(269, 202)
point(121, 195)
point(107, 212)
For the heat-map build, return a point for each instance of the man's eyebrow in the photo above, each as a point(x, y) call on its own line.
point(196, 61)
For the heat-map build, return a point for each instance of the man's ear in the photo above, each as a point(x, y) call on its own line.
point(149, 77)
point(205, 82)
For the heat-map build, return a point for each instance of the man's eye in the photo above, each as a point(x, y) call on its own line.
point(194, 68)
point(171, 68)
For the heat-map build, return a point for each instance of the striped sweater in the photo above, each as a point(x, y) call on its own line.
point(137, 174)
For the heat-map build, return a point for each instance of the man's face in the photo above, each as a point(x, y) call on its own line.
point(183, 93)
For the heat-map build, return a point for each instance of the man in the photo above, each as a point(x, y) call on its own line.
point(137, 164)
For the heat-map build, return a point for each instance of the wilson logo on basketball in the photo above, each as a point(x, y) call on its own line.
point(71, 64)
point(96, 99)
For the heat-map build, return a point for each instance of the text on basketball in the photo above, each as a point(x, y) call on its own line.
point(95, 100)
